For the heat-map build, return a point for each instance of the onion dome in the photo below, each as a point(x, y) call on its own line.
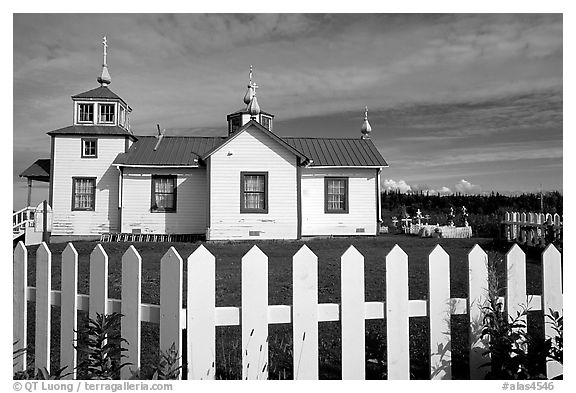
point(366, 128)
point(104, 79)
point(249, 94)
point(253, 107)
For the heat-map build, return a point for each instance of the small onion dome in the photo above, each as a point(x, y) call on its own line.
point(253, 107)
point(366, 128)
point(104, 79)
point(249, 94)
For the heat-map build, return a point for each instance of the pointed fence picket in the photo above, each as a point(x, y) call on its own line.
point(68, 309)
point(43, 309)
point(353, 314)
point(130, 295)
point(397, 326)
point(171, 303)
point(201, 317)
point(439, 311)
point(255, 315)
point(19, 306)
point(477, 297)
point(305, 314)
point(551, 297)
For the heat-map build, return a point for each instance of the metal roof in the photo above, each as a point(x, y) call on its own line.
point(338, 151)
point(186, 151)
point(99, 93)
point(92, 130)
point(40, 170)
point(246, 111)
point(172, 150)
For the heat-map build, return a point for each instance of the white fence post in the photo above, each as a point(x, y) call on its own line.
point(254, 315)
point(551, 298)
point(130, 308)
point(69, 310)
point(516, 299)
point(439, 312)
point(43, 289)
point(477, 298)
point(19, 306)
point(397, 326)
point(98, 282)
point(305, 314)
point(171, 303)
point(201, 314)
point(353, 314)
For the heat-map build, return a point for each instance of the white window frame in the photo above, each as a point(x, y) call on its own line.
point(100, 117)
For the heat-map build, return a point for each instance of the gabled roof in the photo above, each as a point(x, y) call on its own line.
point(40, 170)
point(172, 151)
point(338, 151)
point(245, 110)
point(264, 130)
point(99, 93)
point(92, 130)
point(191, 150)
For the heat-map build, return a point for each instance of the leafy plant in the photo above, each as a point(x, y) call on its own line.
point(508, 339)
point(556, 345)
point(41, 374)
point(168, 368)
point(100, 343)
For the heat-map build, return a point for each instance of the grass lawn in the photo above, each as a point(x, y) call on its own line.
point(228, 268)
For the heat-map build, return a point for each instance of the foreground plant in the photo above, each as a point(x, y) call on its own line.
point(168, 368)
point(509, 340)
point(101, 345)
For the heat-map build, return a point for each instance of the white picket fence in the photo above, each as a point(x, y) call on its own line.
point(255, 314)
point(531, 228)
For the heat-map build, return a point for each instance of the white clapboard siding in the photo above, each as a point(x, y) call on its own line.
point(191, 202)
point(68, 310)
point(226, 221)
point(353, 336)
point(551, 298)
point(171, 303)
point(43, 288)
point(305, 314)
point(131, 296)
point(255, 315)
point(201, 315)
point(397, 326)
point(516, 299)
point(19, 305)
point(440, 307)
point(68, 163)
point(362, 216)
point(477, 297)
point(98, 282)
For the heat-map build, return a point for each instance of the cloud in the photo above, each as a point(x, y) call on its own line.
point(404, 187)
point(465, 187)
point(393, 185)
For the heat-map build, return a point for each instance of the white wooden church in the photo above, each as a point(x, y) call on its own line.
point(251, 183)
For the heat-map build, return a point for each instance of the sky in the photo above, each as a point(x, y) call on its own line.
point(457, 103)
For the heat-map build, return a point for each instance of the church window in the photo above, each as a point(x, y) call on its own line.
point(85, 113)
point(106, 113)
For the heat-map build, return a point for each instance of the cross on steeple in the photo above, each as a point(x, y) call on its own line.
point(104, 78)
point(105, 45)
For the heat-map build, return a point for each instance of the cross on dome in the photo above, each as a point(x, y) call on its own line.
point(366, 128)
point(104, 79)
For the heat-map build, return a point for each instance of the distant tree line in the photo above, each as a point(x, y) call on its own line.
point(394, 201)
point(485, 211)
